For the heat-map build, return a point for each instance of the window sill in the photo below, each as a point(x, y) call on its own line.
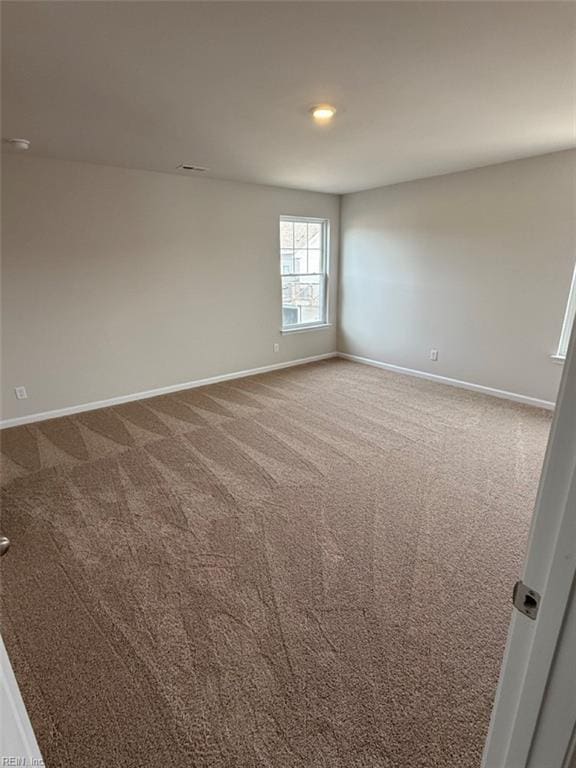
point(560, 359)
point(303, 328)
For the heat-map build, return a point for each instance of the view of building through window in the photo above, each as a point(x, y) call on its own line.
point(304, 271)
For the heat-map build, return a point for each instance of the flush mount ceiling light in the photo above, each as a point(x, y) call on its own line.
point(20, 145)
point(323, 113)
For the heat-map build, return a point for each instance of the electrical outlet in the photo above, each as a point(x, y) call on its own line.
point(20, 393)
point(276, 347)
point(433, 354)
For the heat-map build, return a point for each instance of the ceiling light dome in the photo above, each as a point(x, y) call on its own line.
point(323, 113)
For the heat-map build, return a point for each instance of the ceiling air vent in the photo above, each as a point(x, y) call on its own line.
point(190, 167)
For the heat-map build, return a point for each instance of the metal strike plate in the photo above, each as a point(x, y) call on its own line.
point(526, 600)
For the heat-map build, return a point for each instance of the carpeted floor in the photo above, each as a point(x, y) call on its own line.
point(305, 569)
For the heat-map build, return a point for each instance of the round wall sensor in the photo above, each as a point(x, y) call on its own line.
point(20, 145)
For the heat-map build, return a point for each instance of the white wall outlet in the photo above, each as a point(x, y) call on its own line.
point(276, 347)
point(20, 393)
point(433, 354)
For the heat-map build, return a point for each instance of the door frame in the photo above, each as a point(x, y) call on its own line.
point(18, 745)
point(535, 657)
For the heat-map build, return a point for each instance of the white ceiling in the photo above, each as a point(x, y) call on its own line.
point(421, 88)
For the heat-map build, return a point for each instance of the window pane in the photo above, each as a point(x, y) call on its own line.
point(314, 235)
point(300, 234)
point(302, 300)
point(286, 234)
point(287, 261)
point(301, 261)
point(290, 316)
point(314, 261)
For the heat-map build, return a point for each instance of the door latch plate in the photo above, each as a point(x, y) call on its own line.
point(526, 600)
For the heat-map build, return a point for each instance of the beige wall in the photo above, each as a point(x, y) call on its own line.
point(117, 281)
point(475, 264)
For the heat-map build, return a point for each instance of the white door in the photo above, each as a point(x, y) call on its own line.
point(17, 741)
point(534, 716)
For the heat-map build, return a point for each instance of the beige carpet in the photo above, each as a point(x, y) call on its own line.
point(309, 568)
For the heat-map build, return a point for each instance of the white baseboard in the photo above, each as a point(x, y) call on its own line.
point(452, 382)
point(31, 418)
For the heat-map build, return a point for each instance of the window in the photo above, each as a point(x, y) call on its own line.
point(304, 270)
point(568, 320)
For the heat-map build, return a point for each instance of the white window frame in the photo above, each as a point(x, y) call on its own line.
point(568, 323)
point(325, 274)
